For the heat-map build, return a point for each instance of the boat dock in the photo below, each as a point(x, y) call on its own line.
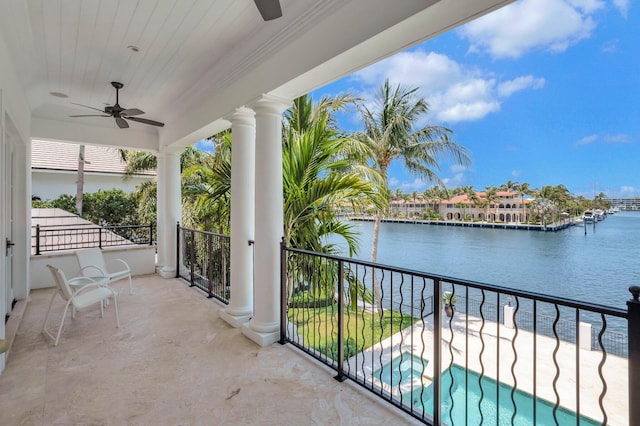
point(519, 226)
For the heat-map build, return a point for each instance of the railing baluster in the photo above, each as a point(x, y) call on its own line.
point(178, 242)
point(340, 377)
point(633, 327)
point(437, 347)
point(284, 296)
point(38, 239)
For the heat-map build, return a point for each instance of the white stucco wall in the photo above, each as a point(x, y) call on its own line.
point(49, 185)
point(141, 260)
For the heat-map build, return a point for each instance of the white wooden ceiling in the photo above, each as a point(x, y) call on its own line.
point(199, 59)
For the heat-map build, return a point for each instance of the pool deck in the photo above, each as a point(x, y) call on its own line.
point(171, 362)
point(498, 359)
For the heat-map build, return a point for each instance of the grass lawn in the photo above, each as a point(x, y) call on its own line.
point(319, 328)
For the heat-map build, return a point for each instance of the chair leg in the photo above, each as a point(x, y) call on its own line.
point(66, 308)
point(130, 285)
point(101, 309)
point(115, 305)
point(46, 318)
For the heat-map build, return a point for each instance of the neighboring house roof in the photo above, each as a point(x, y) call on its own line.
point(48, 155)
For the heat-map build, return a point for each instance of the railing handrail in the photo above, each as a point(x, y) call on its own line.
point(205, 232)
point(594, 307)
point(85, 230)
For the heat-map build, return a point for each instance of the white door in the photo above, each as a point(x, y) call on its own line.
point(9, 179)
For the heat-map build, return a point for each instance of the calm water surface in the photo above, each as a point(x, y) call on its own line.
point(597, 268)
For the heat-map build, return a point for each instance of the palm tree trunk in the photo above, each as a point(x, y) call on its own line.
point(80, 182)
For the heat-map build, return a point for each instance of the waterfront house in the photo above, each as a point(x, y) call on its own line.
point(507, 207)
point(199, 67)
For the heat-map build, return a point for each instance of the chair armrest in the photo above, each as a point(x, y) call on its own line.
point(126, 265)
point(97, 268)
point(93, 284)
point(81, 280)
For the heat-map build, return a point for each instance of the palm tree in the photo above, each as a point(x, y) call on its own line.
point(523, 189)
point(390, 134)
point(206, 188)
point(492, 197)
point(319, 171)
point(509, 186)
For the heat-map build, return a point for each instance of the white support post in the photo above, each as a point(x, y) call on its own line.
point(243, 159)
point(585, 336)
point(172, 214)
point(508, 316)
point(264, 327)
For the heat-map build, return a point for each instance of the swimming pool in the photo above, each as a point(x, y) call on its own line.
point(408, 368)
point(454, 412)
point(401, 370)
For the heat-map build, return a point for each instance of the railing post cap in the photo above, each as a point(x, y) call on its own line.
point(635, 292)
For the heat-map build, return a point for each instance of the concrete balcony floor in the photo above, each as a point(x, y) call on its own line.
point(171, 362)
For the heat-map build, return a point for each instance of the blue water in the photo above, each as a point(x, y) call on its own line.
point(454, 411)
point(402, 369)
point(597, 267)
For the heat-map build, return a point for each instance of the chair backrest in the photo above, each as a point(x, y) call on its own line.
point(91, 257)
point(61, 282)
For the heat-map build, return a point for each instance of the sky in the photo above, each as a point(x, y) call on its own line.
point(541, 91)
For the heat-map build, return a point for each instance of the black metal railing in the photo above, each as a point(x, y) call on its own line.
point(59, 237)
point(204, 261)
point(389, 330)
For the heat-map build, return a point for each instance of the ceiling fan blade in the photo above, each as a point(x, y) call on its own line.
point(89, 115)
point(145, 121)
point(121, 122)
point(269, 9)
point(132, 111)
point(87, 106)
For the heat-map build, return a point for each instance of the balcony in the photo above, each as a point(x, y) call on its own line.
point(172, 361)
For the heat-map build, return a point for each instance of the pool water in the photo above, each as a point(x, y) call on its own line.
point(486, 411)
point(401, 370)
point(481, 407)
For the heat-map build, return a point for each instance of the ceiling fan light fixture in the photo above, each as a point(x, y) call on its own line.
point(120, 114)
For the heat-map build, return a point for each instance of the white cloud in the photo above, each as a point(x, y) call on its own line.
point(509, 87)
point(457, 168)
point(622, 6)
point(454, 92)
point(511, 148)
point(393, 182)
point(548, 25)
point(417, 185)
point(205, 145)
point(609, 139)
point(619, 138)
point(515, 173)
point(457, 180)
point(586, 140)
point(625, 191)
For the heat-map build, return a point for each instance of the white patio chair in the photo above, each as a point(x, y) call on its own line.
point(93, 265)
point(87, 295)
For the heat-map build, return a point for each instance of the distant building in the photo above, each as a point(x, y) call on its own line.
point(54, 169)
point(507, 207)
point(625, 203)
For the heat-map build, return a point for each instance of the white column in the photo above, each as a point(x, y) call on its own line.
point(172, 213)
point(243, 160)
point(264, 327)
